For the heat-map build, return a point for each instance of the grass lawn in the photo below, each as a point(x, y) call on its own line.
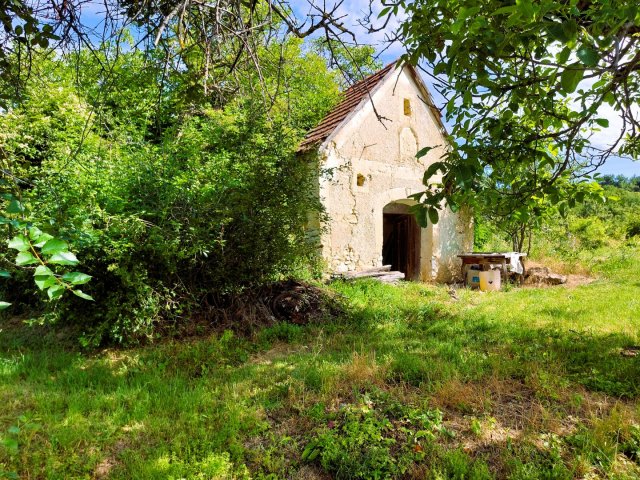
point(409, 383)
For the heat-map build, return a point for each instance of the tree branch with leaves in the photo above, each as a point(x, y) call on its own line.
point(527, 84)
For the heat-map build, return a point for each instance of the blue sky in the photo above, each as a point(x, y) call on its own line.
point(621, 166)
point(353, 10)
point(356, 9)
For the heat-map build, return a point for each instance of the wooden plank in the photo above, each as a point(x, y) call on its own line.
point(391, 277)
point(383, 276)
point(369, 272)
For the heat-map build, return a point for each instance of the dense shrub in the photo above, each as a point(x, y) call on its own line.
point(591, 231)
point(583, 230)
point(216, 202)
point(633, 227)
point(482, 233)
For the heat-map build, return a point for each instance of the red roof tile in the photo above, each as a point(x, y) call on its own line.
point(351, 98)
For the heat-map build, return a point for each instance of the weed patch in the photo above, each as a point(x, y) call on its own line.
point(374, 437)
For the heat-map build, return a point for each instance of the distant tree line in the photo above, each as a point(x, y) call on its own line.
point(632, 184)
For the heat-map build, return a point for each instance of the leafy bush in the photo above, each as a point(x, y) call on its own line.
point(482, 233)
point(591, 231)
point(572, 237)
point(633, 227)
point(223, 209)
point(165, 220)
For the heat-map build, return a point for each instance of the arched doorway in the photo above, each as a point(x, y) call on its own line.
point(401, 240)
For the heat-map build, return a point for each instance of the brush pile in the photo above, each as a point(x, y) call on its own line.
point(289, 301)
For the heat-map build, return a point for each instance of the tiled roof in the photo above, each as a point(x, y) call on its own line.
point(351, 98)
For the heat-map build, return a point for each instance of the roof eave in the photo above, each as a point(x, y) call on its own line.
point(359, 106)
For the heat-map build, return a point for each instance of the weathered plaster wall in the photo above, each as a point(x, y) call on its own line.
point(367, 164)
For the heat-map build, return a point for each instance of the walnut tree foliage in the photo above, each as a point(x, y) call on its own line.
point(527, 83)
point(212, 43)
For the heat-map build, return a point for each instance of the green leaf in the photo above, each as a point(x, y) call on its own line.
point(525, 7)
point(64, 258)
point(20, 243)
point(5, 274)
point(311, 451)
point(81, 294)
point(53, 246)
point(433, 215)
point(603, 122)
point(11, 444)
point(571, 77)
point(384, 11)
point(38, 237)
point(440, 68)
point(432, 170)
point(76, 278)
point(43, 270)
point(42, 240)
point(423, 151)
point(556, 32)
point(25, 258)
point(610, 98)
point(466, 12)
point(420, 212)
point(34, 232)
point(4, 305)
point(504, 10)
point(588, 56)
point(44, 277)
point(15, 207)
point(564, 55)
point(55, 292)
point(43, 281)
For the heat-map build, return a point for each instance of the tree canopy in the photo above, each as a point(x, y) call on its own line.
point(210, 42)
point(527, 85)
point(165, 196)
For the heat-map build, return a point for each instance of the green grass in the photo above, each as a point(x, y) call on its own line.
point(410, 382)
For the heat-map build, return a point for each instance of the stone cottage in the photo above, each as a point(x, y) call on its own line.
point(366, 151)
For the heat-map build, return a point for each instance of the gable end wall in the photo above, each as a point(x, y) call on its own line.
point(366, 164)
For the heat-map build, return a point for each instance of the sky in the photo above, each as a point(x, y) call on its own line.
point(353, 10)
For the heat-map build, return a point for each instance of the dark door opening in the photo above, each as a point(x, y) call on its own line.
point(401, 244)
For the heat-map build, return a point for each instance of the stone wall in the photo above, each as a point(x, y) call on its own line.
point(367, 164)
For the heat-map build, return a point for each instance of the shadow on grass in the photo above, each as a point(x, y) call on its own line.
point(184, 400)
point(418, 328)
point(470, 344)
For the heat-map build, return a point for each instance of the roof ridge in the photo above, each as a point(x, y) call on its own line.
point(351, 98)
point(371, 75)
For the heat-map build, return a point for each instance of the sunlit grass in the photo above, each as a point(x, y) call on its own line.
point(507, 369)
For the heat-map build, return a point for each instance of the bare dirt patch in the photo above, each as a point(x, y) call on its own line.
point(104, 468)
point(544, 276)
point(577, 280)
